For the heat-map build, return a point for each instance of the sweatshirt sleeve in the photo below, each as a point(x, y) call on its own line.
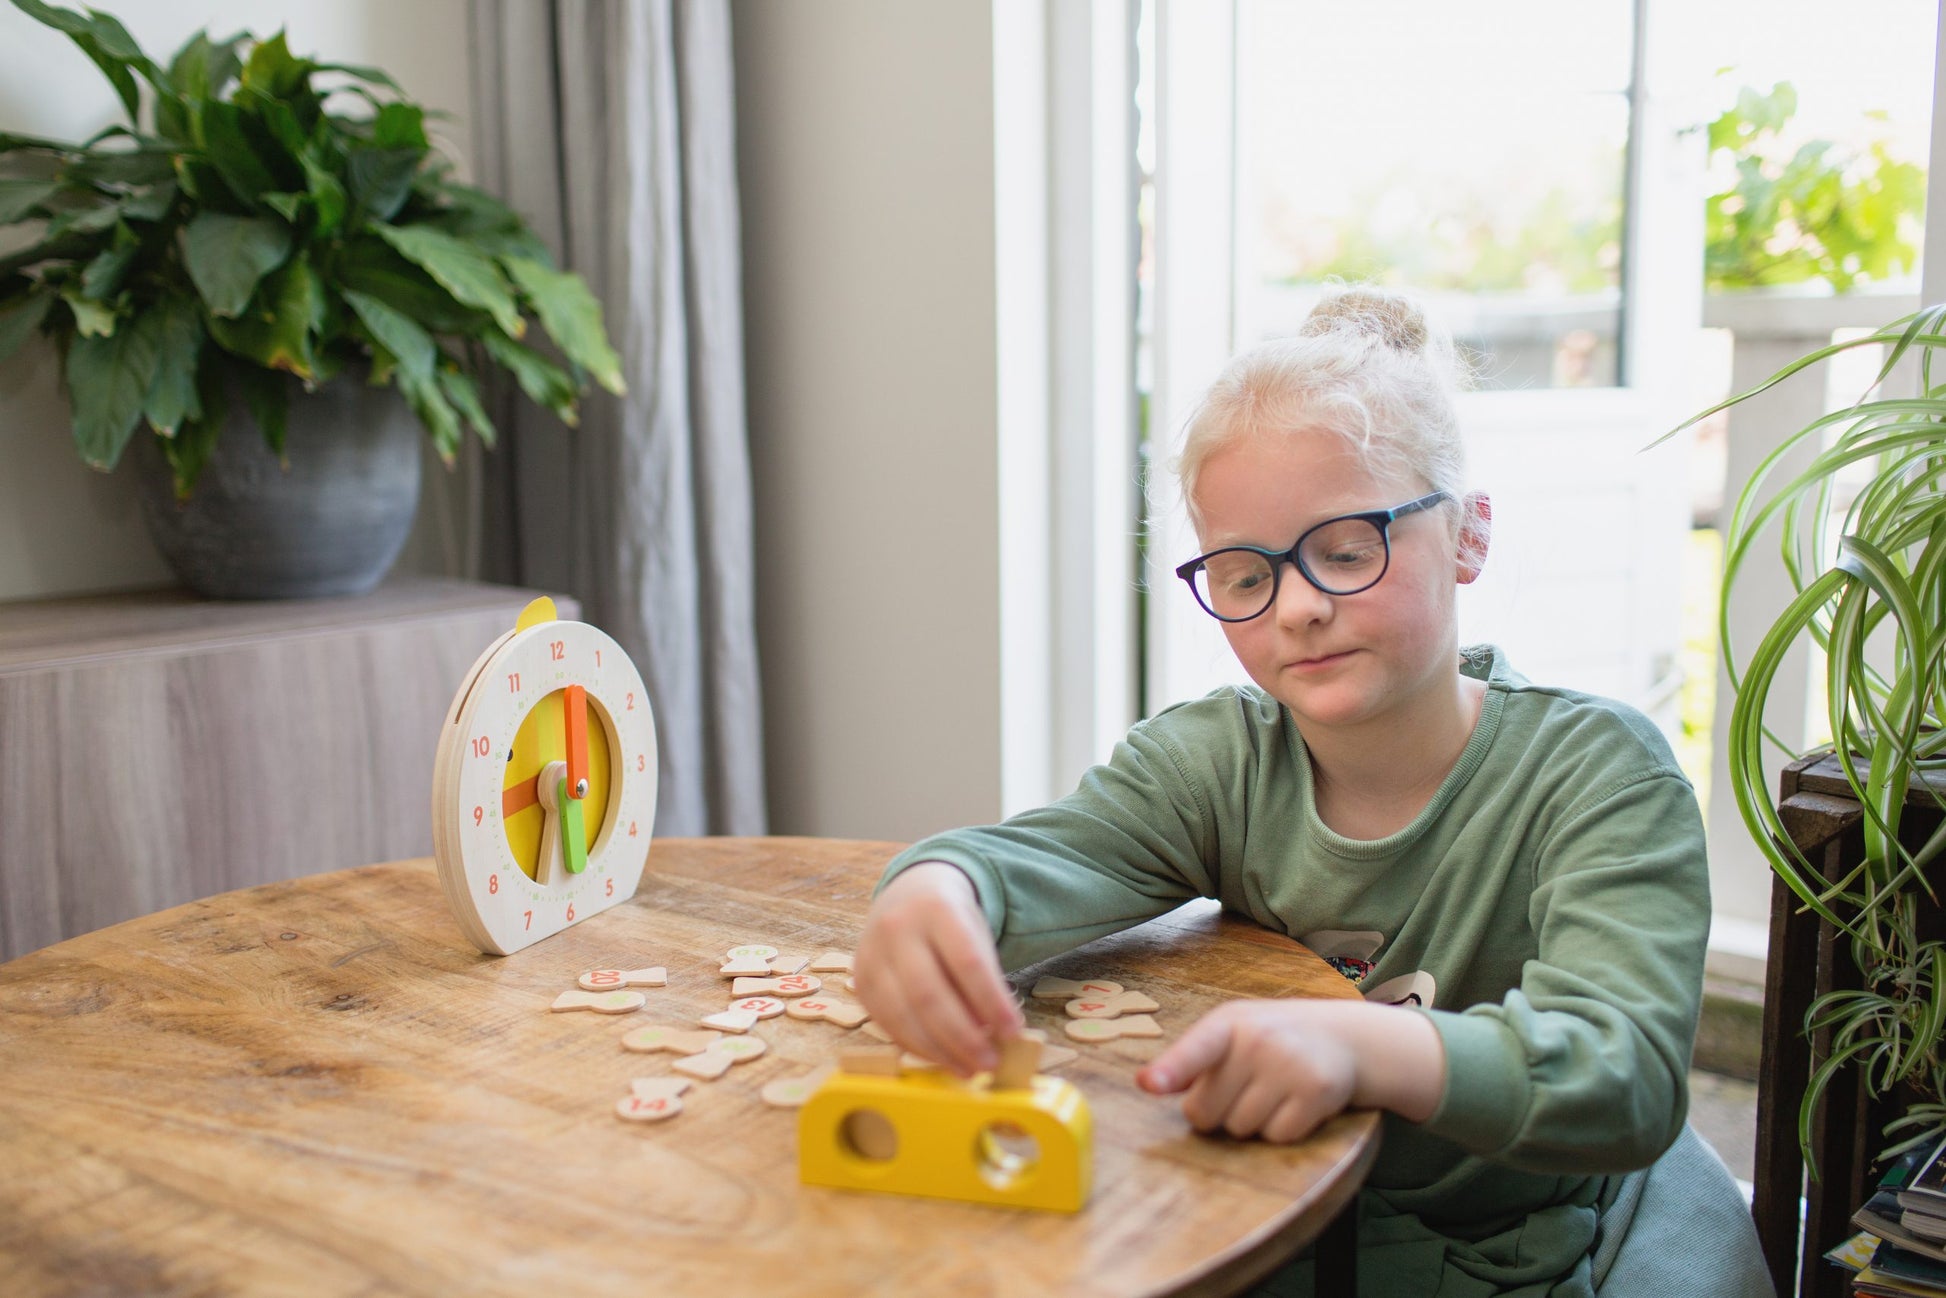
point(1127, 845)
point(1582, 1069)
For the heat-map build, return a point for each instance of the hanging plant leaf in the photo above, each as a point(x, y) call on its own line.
point(461, 269)
point(108, 379)
point(102, 278)
point(410, 346)
point(460, 390)
point(19, 198)
point(173, 398)
point(227, 256)
point(572, 317)
point(545, 383)
point(19, 317)
point(276, 331)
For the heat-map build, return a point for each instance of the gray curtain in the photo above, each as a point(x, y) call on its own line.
point(609, 125)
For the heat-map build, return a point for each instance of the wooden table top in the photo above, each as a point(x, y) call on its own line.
point(320, 1087)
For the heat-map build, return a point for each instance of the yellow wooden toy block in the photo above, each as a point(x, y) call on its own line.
point(930, 1133)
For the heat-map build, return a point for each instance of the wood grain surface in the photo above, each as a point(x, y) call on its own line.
point(319, 1087)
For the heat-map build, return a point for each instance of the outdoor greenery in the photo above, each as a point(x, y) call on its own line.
point(1818, 212)
point(253, 230)
point(1873, 598)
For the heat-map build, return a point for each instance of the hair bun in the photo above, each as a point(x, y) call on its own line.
point(1389, 317)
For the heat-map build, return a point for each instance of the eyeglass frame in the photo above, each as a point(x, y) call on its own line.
point(1382, 519)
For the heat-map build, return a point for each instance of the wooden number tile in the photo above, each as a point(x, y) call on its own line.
point(677, 1041)
point(790, 985)
point(709, 1065)
point(730, 1020)
point(788, 964)
point(791, 1092)
point(1111, 1007)
point(601, 980)
point(843, 1013)
point(878, 1031)
point(832, 962)
point(764, 1007)
point(1063, 989)
point(654, 1108)
point(650, 1087)
point(719, 1058)
point(616, 1002)
point(752, 960)
point(1129, 1025)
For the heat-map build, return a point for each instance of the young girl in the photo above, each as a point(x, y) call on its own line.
point(1516, 872)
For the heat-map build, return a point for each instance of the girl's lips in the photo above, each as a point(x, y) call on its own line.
point(1319, 664)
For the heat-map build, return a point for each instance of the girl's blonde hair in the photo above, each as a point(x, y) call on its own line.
point(1365, 364)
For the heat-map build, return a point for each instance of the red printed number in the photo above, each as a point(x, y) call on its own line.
point(611, 888)
point(482, 746)
point(479, 814)
point(513, 682)
point(530, 918)
point(570, 912)
point(557, 649)
point(493, 884)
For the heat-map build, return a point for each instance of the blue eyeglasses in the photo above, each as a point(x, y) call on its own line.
point(1340, 556)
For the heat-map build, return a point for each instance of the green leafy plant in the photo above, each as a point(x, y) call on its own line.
point(1822, 212)
point(253, 231)
point(1872, 595)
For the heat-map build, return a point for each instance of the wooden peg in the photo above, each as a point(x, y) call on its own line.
point(1019, 1060)
point(876, 1063)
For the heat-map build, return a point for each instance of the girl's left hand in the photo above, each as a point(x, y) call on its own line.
point(1279, 1069)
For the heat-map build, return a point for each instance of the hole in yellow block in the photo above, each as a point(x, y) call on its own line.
point(870, 1134)
point(1007, 1153)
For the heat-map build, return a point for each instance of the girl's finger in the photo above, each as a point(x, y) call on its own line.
point(1251, 1110)
point(936, 1013)
point(1192, 1054)
point(974, 966)
point(1294, 1119)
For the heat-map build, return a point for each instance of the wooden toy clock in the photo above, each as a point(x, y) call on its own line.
point(543, 787)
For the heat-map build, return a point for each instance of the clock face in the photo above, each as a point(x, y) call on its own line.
point(544, 785)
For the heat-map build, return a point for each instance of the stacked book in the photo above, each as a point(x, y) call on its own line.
point(1900, 1251)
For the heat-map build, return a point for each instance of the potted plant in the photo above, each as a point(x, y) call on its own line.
point(259, 284)
point(1871, 594)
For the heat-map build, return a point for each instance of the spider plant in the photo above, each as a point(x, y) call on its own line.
point(1872, 596)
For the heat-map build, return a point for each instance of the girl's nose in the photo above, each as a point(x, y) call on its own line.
point(1298, 601)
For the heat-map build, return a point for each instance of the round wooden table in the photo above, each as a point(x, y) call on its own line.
point(320, 1087)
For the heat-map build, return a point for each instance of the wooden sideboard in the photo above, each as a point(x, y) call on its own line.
point(156, 747)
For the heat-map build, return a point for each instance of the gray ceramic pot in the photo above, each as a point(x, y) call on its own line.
point(332, 523)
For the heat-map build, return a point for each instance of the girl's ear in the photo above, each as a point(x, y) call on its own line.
point(1476, 532)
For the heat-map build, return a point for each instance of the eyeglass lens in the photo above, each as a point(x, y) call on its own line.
point(1342, 557)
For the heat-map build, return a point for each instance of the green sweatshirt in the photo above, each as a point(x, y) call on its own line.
point(1549, 907)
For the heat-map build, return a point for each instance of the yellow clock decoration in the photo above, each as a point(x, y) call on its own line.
point(543, 783)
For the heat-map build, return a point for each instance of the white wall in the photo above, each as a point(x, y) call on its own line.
point(865, 137)
point(63, 528)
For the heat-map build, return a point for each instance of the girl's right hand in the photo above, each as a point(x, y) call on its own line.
point(927, 970)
